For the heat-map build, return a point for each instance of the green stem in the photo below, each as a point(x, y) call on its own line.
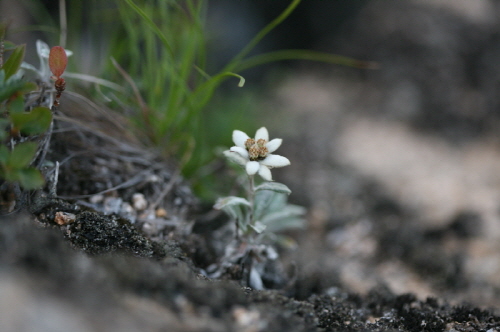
point(251, 196)
point(152, 25)
point(262, 33)
point(251, 199)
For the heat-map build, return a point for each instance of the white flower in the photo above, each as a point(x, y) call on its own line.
point(255, 153)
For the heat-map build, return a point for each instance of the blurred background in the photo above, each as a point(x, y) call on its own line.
point(399, 166)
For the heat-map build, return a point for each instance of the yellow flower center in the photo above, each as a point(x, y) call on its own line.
point(256, 150)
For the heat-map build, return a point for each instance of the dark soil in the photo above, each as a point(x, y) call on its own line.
point(107, 269)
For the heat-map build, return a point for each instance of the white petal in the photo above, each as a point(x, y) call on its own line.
point(241, 151)
point(239, 138)
point(265, 173)
point(274, 145)
point(236, 158)
point(273, 160)
point(252, 167)
point(262, 133)
point(42, 49)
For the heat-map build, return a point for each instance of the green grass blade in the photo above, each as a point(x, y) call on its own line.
point(152, 25)
point(304, 55)
point(262, 33)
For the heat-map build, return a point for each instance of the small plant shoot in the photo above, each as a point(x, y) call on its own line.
point(57, 61)
point(25, 126)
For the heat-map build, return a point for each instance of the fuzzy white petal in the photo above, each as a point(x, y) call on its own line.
point(241, 151)
point(236, 158)
point(265, 173)
point(262, 133)
point(273, 145)
point(252, 167)
point(239, 138)
point(273, 160)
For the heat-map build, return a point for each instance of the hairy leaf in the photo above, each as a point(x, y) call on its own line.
point(229, 201)
point(268, 201)
point(274, 186)
point(258, 227)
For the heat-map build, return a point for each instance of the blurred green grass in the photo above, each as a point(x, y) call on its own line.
point(157, 50)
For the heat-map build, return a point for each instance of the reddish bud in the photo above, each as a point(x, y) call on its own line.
point(57, 60)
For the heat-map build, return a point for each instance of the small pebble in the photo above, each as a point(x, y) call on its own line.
point(161, 213)
point(128, 212)
point(247, 319)
point(139, 202)
point(64, 218)
point(112, 205)
point(96, 199)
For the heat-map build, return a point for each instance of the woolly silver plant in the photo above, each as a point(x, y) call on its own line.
point(264, 212)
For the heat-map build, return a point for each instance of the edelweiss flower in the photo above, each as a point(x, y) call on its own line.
point(255, 153)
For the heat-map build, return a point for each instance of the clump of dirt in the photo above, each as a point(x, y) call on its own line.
point(145, 292)
point(96, 233)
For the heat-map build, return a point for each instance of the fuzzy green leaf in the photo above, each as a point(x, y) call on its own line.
point(236, 208)
point(239, 213)
point(268, 201)
point(274, 186)
point(4, 154)
point(11, 66)
point(17, 105)
point(3, 128)
point(230, 201)
point(27, 86)
point(9, 89)
point(22, 154)
point(258, 227)
point(30, 178)
point(12, 86)
point(33, 123)
point(290, 216)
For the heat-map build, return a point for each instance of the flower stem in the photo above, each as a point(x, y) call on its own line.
point(251, 196)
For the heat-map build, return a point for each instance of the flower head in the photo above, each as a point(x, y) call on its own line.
point(255, 154)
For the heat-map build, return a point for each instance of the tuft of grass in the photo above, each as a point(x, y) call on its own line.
point(158, 51)
point(166, 58)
